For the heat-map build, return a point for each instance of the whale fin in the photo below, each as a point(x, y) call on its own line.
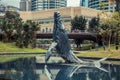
point(103, 59)
point(48, 54)
point(102, 69)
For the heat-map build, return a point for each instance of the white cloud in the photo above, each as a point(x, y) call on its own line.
point(73, 3)
point(11, 2)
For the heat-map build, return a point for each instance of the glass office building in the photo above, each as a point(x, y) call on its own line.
point(25, 5)
point(47, 4)
point(96, 4)
point(101, 5)
point(84, 3)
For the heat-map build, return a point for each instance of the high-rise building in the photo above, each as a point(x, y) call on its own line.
point(99, 5)
point(84, 3)
point(25, 5)
point(2, 8)
point(47, 4)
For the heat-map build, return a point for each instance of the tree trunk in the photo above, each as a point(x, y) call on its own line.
point(117, 41)
point(117, 5)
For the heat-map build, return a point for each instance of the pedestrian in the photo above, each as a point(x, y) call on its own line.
point(104, 47)
point(96, 46)
point(0, 33)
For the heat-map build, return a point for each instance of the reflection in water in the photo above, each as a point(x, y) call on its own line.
point(79, 73)
point(22, 69)
point(28, 69)
point(88, 73)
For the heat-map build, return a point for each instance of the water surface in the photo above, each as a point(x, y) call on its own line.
point(29, 69)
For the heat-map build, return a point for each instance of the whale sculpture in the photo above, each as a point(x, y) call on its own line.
point(61, 42)
point(63, 48)
point(62, 45)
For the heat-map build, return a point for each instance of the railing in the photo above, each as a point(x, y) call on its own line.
point(75, 31)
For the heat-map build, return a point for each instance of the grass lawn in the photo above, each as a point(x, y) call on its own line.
point(101, 53)
point(14, 57)
point(10, 47)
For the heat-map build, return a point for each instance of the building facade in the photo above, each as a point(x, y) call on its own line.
point(99, 5)
point(12, 8)
point(2, 8)
point(45, 18)
point(25, 5)
point(47, 4)
point(84, 3)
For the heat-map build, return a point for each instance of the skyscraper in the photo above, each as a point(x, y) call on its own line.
point(99, 5)
point(2, 7)
point(47, 4)
point(84, 3)
point(25, 5)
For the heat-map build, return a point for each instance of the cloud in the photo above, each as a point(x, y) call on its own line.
point(73, 3)
point(11, 2)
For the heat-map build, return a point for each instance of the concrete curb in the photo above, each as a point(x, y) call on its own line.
point(17, 53)
point(94, 58)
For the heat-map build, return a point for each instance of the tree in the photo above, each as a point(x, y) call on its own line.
point(22, 33)
point(8, 24)
point(117, 10)
point(31, 29)
point(111, 28)
point(116, 20)
point(78, 23)
point(94, 24)
point(106, 30)
point(102, 5)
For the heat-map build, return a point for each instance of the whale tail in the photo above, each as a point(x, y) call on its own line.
point(103, 59)
point(48, 73)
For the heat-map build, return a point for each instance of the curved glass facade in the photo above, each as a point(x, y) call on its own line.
point(25, 5)
point(96, 4)
point(47, 4)
point(84, 3)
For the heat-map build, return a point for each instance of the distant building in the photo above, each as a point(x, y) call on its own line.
point(47, 4)
point(96, 4)
point(84, 3)
point(45, 18)
point(2, 8)
point(25, 5)
point(11, 8)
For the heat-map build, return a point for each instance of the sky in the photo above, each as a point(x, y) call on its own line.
point(73, 3)
point(16, 2)
point(11, 2)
